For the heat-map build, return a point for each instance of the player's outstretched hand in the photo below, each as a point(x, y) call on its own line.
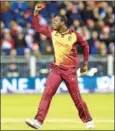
point(83, 69)
point(39, 7)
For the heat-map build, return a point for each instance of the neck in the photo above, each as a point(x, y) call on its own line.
point(62, 29)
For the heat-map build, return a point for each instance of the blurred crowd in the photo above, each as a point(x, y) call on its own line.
point(93, 20)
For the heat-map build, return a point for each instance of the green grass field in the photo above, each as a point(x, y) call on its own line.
point(62, 114)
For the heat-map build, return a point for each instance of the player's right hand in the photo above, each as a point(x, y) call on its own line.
point(39, 7)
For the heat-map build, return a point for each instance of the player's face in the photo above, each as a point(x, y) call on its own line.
point(56, 23)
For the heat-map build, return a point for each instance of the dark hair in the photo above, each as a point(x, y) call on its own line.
point(63, 18)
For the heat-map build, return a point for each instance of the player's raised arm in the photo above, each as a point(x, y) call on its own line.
point(45, 30)
point(85, 46)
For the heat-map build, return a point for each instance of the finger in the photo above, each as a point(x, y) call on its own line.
point(41, 5)
point(84, 73)
point(83, 70)
point(38, 6)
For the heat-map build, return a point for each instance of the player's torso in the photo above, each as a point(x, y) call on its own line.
point(63, 45)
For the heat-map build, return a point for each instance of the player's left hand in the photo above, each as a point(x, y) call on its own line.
point(84, 69)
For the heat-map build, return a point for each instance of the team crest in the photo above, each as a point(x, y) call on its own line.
point(69, 38)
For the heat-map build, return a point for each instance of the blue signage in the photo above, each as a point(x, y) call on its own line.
point(36, 85)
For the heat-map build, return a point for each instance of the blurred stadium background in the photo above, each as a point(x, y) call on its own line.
point(25, 56)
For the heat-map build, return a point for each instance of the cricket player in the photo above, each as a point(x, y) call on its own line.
point(63, 69)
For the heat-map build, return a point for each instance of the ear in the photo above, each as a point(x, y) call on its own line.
point(62, 23)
